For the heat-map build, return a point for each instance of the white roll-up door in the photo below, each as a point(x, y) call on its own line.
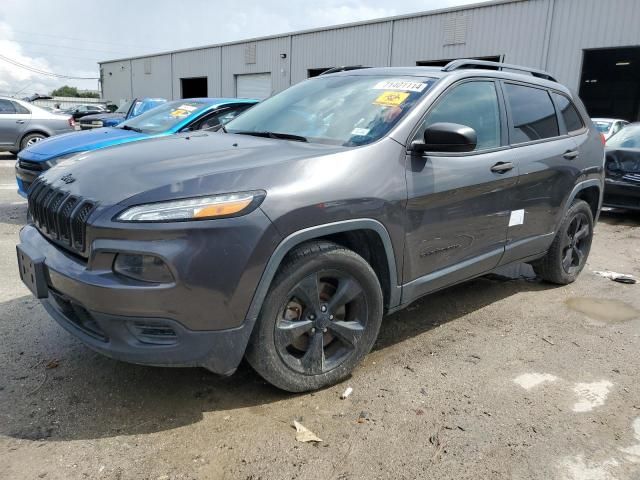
point(253, 85)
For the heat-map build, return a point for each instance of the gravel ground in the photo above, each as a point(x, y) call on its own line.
point(503, 377)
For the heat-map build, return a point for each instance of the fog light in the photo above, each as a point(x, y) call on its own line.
point(146, 268)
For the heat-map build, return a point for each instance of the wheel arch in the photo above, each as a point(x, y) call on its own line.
point(367, 237)
point(591, 191)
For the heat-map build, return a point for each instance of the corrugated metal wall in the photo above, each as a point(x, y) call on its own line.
point(587, 24)
point(515, 30)
point(266, 60)
point(197, 63)
point(547, 34)
point(116, 81)
point(360, 45)
point(151, 76)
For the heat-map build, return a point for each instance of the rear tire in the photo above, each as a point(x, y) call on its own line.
point(320, 318)
point(31, 139)
point(569, 251)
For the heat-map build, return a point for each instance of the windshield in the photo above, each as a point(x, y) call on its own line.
point(628, 137)
point(124, 108)
point(164, 117)
point(603, 127)
point(339, 110)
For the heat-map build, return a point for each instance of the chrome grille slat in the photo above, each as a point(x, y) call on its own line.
point(60, 216)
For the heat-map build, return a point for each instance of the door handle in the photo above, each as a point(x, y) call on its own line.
point(502, 167)
point(19, 121)
point(570, 154)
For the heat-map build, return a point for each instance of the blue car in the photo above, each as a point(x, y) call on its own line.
point(169, 118)
point(131, 109)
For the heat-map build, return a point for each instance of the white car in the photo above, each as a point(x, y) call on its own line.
point(609, 126)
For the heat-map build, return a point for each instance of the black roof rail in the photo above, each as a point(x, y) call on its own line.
point(466, 63)
point(343, 69)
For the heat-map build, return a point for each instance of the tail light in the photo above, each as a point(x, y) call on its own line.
point(602, 139)
point(72, 122)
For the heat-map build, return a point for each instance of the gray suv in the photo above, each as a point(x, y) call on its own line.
point(287, 236)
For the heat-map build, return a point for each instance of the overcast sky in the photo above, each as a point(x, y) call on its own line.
point(69, 37)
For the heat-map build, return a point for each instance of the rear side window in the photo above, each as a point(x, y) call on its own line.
point(473, 104)
point(569, 112)
point(532, 113)
point(20, 109)
point(6, 106)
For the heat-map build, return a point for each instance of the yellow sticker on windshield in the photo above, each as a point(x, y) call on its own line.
point(391, 99)
point(179, 113)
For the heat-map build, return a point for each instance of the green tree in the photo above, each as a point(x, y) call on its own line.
point(67, 91)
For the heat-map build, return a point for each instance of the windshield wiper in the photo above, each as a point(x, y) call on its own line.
point(133, 129)
point(281, 136)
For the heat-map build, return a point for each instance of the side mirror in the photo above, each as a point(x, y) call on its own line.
point(446, 137)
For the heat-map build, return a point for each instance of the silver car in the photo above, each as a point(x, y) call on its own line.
point(22, 124)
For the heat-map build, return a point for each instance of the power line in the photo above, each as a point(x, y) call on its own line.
point(83, 39)
point(69, 48)
point(43, 72)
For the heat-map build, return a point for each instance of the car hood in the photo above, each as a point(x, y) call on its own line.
point(79, 142)
point(623, 164)
point(180, 166)
point(102, 116)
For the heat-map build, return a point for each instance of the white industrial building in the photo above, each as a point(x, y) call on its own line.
point(592, 46)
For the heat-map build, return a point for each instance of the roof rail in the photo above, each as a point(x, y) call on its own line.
point(342, 69)
point(466, 63)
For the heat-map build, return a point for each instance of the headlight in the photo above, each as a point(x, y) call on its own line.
point(57, 160)
point(201, 208)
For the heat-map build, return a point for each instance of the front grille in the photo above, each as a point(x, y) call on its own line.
point(632, 177)
point(32, 166)
point(60, 216)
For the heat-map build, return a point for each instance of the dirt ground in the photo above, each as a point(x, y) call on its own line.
point(502, 377)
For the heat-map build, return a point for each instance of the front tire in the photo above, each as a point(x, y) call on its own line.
point(320, 318)
point(569, 251)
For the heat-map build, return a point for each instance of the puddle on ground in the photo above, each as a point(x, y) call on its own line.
point(605, 310)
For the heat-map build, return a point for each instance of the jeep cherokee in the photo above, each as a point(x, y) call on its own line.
point(288, 235)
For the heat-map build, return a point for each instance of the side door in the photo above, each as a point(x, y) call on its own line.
point(548, 163)
point(459, 204)
point(14, 118)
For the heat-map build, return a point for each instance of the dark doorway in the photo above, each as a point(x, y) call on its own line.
point(610, 82)
point(314, 72)
point(193, 87)
point(442, 63)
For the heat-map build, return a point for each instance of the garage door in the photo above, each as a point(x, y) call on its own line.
point(255, 85)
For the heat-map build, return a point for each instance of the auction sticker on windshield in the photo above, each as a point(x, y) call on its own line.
point(391, 99)
point(405, 85)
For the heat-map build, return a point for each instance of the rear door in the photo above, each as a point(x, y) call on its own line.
point(547, 159)
point(14, 119)
point(459, 203)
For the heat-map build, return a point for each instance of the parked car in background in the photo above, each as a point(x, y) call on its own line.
point(167, 119)
point(125, 112)
point(339, 200)
point(23, 124)
point(80, 111)
point(609, 126)
point(622, 168)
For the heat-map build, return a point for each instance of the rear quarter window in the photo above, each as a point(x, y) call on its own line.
point(533, 115)
point(569, 112)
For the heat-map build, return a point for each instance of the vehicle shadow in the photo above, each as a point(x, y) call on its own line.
point(7, 156)
point(55, 389)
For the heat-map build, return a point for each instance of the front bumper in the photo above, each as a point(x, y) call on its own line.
point(622, 194)
point(24, 179)
point(151, 324)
